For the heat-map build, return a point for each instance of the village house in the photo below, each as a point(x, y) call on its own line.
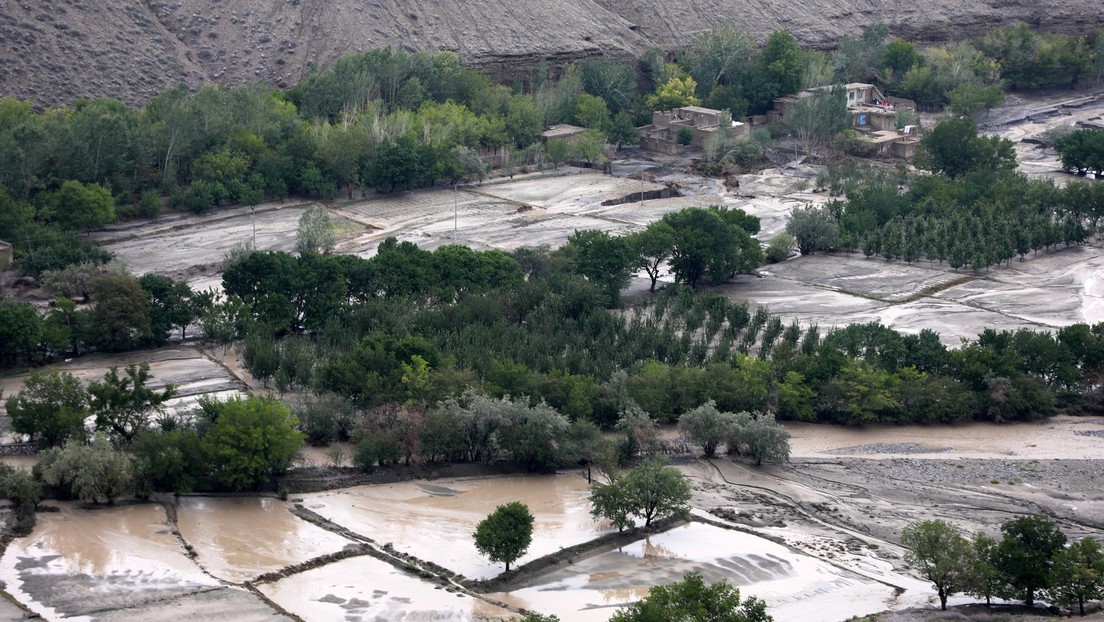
point(873, 115)
point(567, 133)
point(662, 134)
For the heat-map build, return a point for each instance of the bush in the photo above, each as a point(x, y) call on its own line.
point(149, 206)
point(685, 136)
point(781, 248)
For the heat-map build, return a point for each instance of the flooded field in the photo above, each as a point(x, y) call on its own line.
point(435, 520)
point(238, 539)
point(119, 563)
point(795, 585)
point(367, 589)
point(194, 374)
point(816, 539)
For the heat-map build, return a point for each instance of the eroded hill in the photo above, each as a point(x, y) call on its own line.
point(55, 51)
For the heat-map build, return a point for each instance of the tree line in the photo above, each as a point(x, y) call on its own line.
point(390, 120)
point(974, 211)
point(1032, 558)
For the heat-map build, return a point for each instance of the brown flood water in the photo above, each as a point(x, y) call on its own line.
point(796, 586)
point(241, 537)
point(79, 561)
point(365, 588)
point(435, 520)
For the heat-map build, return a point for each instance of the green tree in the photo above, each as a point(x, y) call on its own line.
point(676, 93)
point(710, 243)
point(940, 554)
point(691, 600)
point(651, 248)
point(20, 331)
point(656, 491)
point(781, 247)
point(782, 62)
point(954, 149)
point(80, 207)
point(124, 406)
point(524, 121)
point(814, 229)
point(591, 112)
point(766, 440)
point(120, 312)
point(50, 408)
point(1026, 554)
point(315, 233)
point(171, 305)
point(970, 97)
point(984, 580)
point(1077, 575)
point(604, 260)
point(505, 535)
point(819, 117)
point(252, 441)
point(94, 472)
point(705, 426)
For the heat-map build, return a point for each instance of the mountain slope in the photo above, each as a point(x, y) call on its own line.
point(55, 51)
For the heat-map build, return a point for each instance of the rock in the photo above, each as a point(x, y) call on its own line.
point(496, 37)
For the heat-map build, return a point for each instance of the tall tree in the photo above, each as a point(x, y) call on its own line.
point(124, 405)
point(50, 408)
point(1077, 575)
point(1026, 553)
point(505, 535)
point(940, 554)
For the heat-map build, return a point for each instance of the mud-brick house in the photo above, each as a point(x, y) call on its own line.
point(7, 255)
point(567, 133)
point(873, 115)
point(662, 134)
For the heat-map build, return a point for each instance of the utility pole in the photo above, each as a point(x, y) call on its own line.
point(641, 187)
point(455, 198)
point(253, 218)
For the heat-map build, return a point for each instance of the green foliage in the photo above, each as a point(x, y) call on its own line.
point(782, 63)
point(1077, 575)
point(675, 93)
point(813, 229)
point(781, 247)
point(94, 472)
point(1025, 555)
point(819, 117)
point(50, 408)
point(315, 233)
point(940, 554)
point(1081, 150)
point(120, 312)
point(79, 207)
point(714, 242)
point(607, 261)
point(694, 601)
point(954, 149)
point(648, 492)
point(124, 406)
point(970, 97)
point(251, 442)
point(505, 535)
point(705, 426)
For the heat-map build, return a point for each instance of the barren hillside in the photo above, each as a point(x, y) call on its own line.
point(55, 51)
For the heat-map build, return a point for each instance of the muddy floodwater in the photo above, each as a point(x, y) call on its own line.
point(240, 538)
point(367, 589)
point(435, 520)
point(120, 563)
point(795, 585)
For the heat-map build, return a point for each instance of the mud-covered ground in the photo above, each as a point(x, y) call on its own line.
point(833, 515)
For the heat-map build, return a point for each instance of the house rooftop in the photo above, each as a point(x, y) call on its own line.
point(557, 131)
point(700, 109)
